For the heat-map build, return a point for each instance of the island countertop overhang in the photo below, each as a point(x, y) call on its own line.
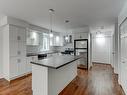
point(57, 61)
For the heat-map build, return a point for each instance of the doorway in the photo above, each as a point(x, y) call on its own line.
point(102, 48)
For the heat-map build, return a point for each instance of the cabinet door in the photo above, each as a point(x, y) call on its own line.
point(13, 48)
point(34, 58)
point(28, 65)
point(32, 38)
point(80, 35)
point(21, 65)
point(13, 67)
point(17, 33)
point(21, 49)
point(13, 33)
point(21, 34)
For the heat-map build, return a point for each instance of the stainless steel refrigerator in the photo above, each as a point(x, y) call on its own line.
point(81, 49)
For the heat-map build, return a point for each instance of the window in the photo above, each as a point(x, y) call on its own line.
point(46, 42)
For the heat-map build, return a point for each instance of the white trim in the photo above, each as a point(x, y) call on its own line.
point(19, 76)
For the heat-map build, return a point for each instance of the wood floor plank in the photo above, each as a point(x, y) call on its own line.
point(99, 80)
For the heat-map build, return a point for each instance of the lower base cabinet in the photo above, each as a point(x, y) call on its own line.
point(17, 67)
point(13, 67)
point(20, 66)
point(29, 59)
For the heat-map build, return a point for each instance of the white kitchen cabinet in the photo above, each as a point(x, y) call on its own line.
point(17, 67)
point(21, 49)
point(21, 35)
point(17, 41)
point(13, 34)
point(22, 65)
point(13, 48)
point(17, 34)
point(28, 65)
point(81, 35)
point(14, 52)
point(17, 49)
point(57, 40)
point(14, 67)
point(32, 38)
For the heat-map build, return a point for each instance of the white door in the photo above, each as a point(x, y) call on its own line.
point(102, 48)
point(124, 62)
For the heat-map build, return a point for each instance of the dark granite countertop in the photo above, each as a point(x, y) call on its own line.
point(45, 52)
point(57, 61)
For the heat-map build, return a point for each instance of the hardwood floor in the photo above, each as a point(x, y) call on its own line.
point(21, 86)
point(100, 80)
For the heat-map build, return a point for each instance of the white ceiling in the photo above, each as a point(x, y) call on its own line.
point(79, 12)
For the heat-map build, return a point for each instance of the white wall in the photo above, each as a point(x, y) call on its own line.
point(116, 39)
point(1, 53)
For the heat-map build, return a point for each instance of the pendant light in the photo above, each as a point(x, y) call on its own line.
point(67, 37)
point(51, 11)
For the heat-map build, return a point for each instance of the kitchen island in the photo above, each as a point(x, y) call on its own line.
point(51, 75)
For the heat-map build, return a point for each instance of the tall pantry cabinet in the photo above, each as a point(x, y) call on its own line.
point(14, 52)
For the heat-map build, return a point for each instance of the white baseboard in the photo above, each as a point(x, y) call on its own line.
point(20, 76)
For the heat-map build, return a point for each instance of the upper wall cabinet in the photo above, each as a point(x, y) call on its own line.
point(81, 35)
point(32, 37)
point(56, 40)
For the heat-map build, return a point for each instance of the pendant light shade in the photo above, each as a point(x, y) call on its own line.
point(51, 35)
